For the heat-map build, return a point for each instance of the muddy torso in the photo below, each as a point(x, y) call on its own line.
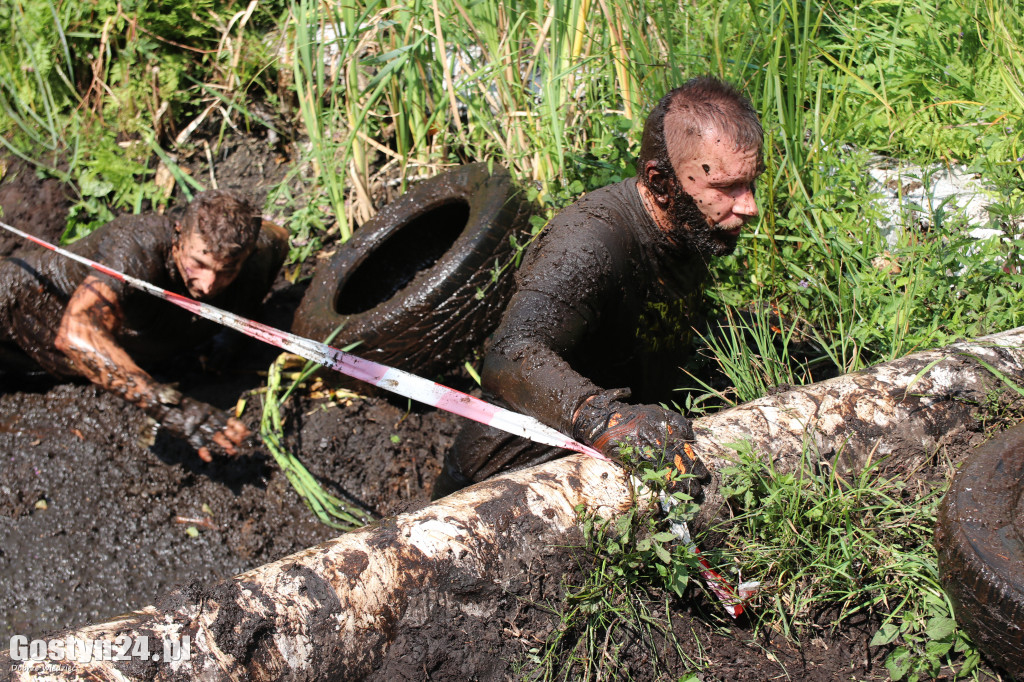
point(35, 288)
point(604, 301)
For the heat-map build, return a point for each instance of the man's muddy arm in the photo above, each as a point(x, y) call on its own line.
point(526, 367)
point(87, 336)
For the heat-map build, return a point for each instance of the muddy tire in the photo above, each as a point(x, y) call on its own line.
point(980, 538)
point(419, 285)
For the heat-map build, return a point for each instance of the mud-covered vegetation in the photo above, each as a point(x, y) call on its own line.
point(117, 100)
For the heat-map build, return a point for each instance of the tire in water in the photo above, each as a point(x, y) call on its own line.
point(425, 280)
point(980, 540)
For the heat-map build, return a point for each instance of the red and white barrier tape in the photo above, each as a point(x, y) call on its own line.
point(397, 381)
point(389, 378)
point(733, 601)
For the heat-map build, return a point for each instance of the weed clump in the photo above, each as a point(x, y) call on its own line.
point(826, 548)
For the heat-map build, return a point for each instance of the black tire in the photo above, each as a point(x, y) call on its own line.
point(980, 539)
point(406, 285)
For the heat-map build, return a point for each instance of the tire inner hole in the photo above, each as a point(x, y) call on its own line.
point(412, 248)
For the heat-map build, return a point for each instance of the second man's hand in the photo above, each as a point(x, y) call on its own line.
point(206, 428)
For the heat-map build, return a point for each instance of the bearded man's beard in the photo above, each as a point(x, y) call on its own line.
point(690, 227)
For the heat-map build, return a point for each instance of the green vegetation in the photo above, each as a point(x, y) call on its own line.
point(626, 595)
point(106, 94)
point(820, 542)
point(329, 509)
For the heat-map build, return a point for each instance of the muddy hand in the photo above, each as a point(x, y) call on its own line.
point(206, 428)
point(656, 434)
point(227, 439)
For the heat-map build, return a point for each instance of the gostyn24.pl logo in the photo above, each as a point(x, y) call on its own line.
point(122, 648)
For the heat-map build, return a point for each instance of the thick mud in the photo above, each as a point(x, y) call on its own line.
point(35, 205)
point(95, 524)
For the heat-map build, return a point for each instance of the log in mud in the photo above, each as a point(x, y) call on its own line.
point(343, 609)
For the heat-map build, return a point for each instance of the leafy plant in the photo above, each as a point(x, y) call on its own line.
point(625, 596)
point(819, 543)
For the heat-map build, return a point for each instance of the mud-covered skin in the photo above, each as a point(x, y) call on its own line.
point(87, 338)
point(708, 207)
point(74, 322)
point(605, 300)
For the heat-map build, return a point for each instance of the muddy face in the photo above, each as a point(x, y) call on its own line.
point(205, 274)
point(718, 181)
point(688, 226)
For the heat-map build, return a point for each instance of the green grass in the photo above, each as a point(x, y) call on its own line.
point(331, 510)
point(821, 544)
point(634, 571)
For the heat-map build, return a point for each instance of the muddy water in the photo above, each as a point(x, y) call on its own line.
point(108, 539)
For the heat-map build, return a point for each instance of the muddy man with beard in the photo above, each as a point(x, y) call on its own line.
point(75, 322)
point(607, 295)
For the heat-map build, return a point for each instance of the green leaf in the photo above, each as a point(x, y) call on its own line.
point(663, 554)
point(886, 634)
point(898, 663)
point(94, 186)
point(937, 649)
point(940, 628)
point(971, 662)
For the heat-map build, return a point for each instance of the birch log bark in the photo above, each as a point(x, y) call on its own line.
point(335, 611)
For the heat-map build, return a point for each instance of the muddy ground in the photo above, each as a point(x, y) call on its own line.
point(94, 524)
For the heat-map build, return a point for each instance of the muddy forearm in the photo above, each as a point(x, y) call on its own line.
point(536, 381)
point(87, 337)
point(526, 367)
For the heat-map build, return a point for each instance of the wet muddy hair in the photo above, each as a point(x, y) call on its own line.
point(700, 104)
point(226, 222)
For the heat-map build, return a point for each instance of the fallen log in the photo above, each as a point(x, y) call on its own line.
point(384, 601)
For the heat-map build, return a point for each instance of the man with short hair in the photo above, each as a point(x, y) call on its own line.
point(607, 295)
point(74, 321)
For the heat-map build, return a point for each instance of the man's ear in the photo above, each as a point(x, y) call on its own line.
point(658, 182)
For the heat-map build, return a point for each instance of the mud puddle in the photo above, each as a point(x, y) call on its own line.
point(95, 525)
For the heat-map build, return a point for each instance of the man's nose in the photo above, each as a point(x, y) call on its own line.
point(204, 281)
point(746, 203)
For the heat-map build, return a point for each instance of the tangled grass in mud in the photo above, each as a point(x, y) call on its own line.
point(331, 510)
